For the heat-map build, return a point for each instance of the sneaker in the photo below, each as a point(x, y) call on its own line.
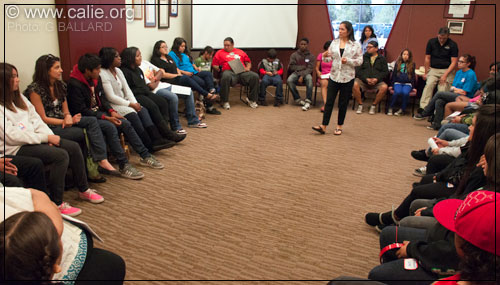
point(277, 103)
point(130, 172)
point(213, 111)
point(262, 102)
point(419, 155)
point(200, 125)
point(181, 132)
point(151, 162)
point(420, 172)
point(418, 117)
point(399, 113)
point(389, 113)
point(306, 106)
point(91, 196)
point(66, 209)
point(360, 109)
point(251, 103)
point(300, 102)
point(433, 127)
point(372, 110)
point(226, 106)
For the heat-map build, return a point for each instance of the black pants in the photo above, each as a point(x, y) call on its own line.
point(345, 95)
point(59, 158)
point(425, 191)
point(438, 162)
point(30, 173)
point(156, 105)
point(101, 265)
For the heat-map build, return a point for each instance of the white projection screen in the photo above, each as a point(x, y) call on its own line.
point(251, 26)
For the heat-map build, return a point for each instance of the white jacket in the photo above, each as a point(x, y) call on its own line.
point(117, 91)
point(21, 128)
point(343, 73)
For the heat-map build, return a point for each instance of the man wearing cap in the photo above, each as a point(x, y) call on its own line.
point(441, 57)
point(370, 76)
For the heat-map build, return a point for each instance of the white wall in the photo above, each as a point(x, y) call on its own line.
point(28, 39)
point(145, 38)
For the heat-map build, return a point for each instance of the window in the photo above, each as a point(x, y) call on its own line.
point(380, 17)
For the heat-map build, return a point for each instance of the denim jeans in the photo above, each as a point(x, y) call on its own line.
point(292, 83)
point(145, 117)
point(197, 84)
point(173, 105)
point(191, 116)
point(271, 80)
point(110, 133)
point(204, 79)
point(437, 104)
point(463, 128)
point(402, 90)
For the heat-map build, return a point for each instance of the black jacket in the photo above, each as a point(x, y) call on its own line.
point(378, 70)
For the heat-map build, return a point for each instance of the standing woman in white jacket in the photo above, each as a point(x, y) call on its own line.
point(346, 55)
point(27, 135)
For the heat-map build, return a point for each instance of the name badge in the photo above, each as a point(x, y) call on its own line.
point(21, 126)
point(446, 47)
point(307, 60)
point(463, 80)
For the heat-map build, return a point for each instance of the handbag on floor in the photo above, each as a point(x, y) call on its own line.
point(92, 166)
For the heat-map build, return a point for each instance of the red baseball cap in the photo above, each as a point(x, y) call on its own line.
point(476, 219)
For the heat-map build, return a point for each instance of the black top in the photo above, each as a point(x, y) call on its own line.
point(169, 66)
point(135, 80)
point(341, 52)
point(441, 55)
point(82, 100)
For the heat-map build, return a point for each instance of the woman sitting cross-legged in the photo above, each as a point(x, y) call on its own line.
point(27, 135)
point(123, 101)
point(86, 96)
point(47, 93)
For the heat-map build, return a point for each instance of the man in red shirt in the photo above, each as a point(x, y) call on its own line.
point(228, 78)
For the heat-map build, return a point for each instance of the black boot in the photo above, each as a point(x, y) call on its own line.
point(158, 142)
point(168, 134)
point(146, 140)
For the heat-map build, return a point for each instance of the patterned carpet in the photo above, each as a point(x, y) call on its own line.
point(260, 196)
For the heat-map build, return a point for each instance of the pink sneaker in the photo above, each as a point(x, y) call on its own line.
point(91, 196)
point(66, 209)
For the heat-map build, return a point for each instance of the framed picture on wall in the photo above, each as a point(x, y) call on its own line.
point(150, 14)
point(456, 27)
point(163, 17)
point(460, 9)
point(174, 8)
point(137, 8)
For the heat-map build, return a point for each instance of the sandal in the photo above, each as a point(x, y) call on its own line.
point(199, 126)
point(319, 129)
point(212, 97)
point(337, 132)
point(181, 132)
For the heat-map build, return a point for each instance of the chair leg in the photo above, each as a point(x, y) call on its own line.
point(315, 93)
point(286, 94)
point(241, 95)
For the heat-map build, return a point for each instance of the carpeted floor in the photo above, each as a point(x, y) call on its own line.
point(260, 196)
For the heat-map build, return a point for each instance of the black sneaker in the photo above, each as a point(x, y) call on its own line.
point(213, 111)
point(262, 102)
point(418, 117)
point(277, 103)
point(419, 155)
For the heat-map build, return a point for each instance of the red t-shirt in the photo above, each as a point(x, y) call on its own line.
point(448, 281)
point(222, 57)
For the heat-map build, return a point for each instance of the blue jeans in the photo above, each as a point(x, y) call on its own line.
point(462, 128)
point(392, 270)
point(173, 105)
point(204, 79)
point(191, 116)
point(145, 117)
point(110, 133)
point(196, 83)
point(437, 104)
point(402, 90)
point(292, 83)
point(271, 80)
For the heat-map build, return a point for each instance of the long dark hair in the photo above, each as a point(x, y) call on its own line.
point(10, 98)
point(176, 45)
point(156, 49)
point(478, 265)
point(29, 244)
point(486, 126)
point(41, 76)
point(349, 29)
point(410, 65)
point(492, 156)
point(363, 36)
point(128, 57)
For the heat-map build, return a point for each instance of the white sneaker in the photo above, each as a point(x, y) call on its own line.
point(300, 102)
point(372, 110)
point(399, 113)
point(252, 104)
point(306, 106)
point(226, 106)
point(420, 172)
point(389, 113)
point(360, 109)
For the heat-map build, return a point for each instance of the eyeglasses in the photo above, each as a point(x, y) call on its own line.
point(461, 61)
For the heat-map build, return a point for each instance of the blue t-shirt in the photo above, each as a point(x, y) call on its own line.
point(466, 81)
point(184, 63)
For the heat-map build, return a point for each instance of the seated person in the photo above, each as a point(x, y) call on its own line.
point(370, 76)
point(123, 101)
point(271, 70)
point(248, 78)
point(36, 243)
point(301, 67)
point(204, 61)
point(323, 68)
point(403, 81)
point(464, 84)
point(172, 74)
point(48, 93)
point(86, 96)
